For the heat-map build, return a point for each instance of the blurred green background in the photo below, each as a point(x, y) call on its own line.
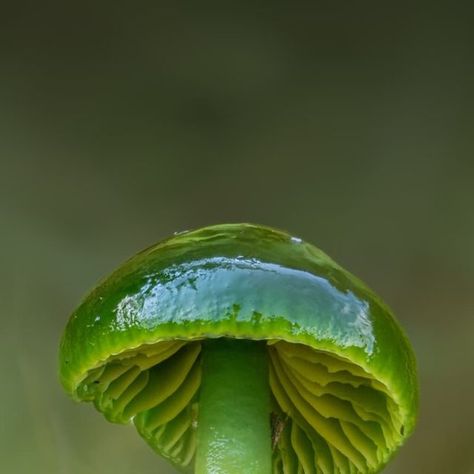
point(348, 124)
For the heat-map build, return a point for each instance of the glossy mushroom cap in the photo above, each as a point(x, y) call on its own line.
point(342, 373)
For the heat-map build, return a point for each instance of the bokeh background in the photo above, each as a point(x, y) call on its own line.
point(348, 124)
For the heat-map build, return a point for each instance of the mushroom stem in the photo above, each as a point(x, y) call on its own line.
point(234, 409)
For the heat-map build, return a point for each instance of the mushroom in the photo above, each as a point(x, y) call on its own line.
point(238, 348)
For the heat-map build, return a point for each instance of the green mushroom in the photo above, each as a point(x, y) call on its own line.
point(238, 348)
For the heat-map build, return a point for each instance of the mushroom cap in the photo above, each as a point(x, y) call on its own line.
point(342, 372)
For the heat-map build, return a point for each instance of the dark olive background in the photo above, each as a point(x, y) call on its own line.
point(349, 124)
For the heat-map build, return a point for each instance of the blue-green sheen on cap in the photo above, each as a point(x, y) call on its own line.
point(341, 368)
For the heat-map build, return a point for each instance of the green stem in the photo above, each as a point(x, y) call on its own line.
point(234, 409)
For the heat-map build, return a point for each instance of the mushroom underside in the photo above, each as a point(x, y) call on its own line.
point(329, 415)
